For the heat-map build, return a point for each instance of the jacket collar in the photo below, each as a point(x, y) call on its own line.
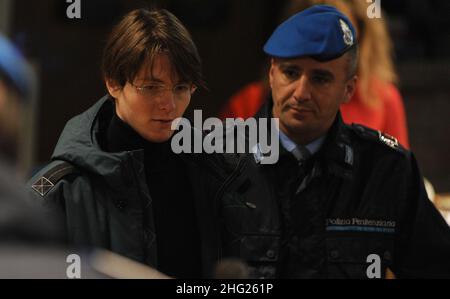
point(82, 144)
point(337, 151)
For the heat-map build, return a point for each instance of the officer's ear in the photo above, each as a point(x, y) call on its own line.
point(272, 66)
point(350, 87)
point(113, 87)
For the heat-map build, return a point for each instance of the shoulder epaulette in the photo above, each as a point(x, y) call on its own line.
point(49, 179)
point(378, 136)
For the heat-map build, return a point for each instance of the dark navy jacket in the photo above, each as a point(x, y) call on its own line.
point(360, 194)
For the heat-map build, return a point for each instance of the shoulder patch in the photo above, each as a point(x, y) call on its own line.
point(388, 140)
point(47, 181)
point(371, 134)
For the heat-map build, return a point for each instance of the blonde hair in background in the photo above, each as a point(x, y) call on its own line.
point(375, 46)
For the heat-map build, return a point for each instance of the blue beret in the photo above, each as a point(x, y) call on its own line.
point(14, 68)
point(321, 32)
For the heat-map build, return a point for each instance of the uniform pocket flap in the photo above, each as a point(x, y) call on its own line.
point(357, 249)
point(260, 248)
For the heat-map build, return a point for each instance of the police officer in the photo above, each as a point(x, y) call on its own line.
point(19, 223)
point(25, 231)
point(15, 89)
point(343, 201)
point(22, 222)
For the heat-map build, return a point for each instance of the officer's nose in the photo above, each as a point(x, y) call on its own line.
point(302, 90)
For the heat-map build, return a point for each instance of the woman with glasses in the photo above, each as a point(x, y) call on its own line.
point(113, 173)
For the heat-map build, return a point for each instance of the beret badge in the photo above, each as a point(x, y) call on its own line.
point(348, 36)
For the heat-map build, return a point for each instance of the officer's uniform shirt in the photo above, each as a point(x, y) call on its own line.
point(299, 151)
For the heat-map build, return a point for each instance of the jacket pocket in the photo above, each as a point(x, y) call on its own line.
point(261, 253)
point(236, 215)
point(359, 257)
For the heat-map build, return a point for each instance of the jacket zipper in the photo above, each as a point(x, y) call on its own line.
point(219, 194)
point(144, 215)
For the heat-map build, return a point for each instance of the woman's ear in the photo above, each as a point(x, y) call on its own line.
point(114, 89)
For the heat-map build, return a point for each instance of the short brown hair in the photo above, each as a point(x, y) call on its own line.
point(352, 60)
point(140, 36)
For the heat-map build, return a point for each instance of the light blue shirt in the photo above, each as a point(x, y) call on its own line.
point(290, 145)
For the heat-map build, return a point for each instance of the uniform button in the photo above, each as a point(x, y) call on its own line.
point(148, 236)
point(270, 253)
point(334, 254)
point(121, 204)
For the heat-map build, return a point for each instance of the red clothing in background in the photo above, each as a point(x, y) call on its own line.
point(388, 117)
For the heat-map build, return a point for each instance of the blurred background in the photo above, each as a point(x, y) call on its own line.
point(66, 53)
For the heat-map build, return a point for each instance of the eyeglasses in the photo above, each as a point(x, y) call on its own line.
point(181, 91)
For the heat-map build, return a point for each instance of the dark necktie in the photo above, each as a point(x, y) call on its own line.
point(302, 154)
